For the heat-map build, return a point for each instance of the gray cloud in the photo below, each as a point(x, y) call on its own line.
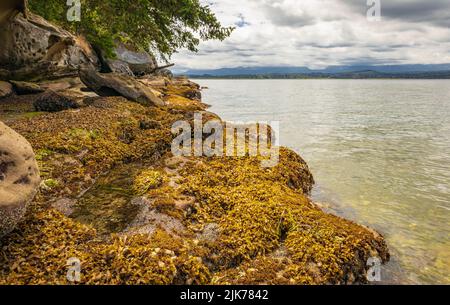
point(281, 17)
point(436, 12)
point(325, 46)
point(319, 33)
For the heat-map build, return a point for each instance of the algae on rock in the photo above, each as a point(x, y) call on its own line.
point(238, 223)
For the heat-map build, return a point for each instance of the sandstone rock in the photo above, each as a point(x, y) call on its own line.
point(183, 81)
point(35, 49)
point(62, 84)
point(113, 84)
point(6, 89)
point(23, 88)
point(154, 81)
point(52, 101)
point(19, 177)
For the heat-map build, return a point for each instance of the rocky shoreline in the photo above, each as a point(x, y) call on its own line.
point(113, 196)
point(87, 175)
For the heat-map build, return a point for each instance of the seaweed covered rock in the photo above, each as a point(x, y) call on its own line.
point(134, 214)
point(52, 101)
point(268, 229)
point(19, 177)
point(148, 179)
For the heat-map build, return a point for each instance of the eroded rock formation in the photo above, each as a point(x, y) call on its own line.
point(34, 49)
point(19, 177)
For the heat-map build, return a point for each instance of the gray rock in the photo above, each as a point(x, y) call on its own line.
point(210, 232)
point(120, 67)
point(139, 63)
point(19, 178)
point(164, 72)
point(64, 205)
point(148, 220)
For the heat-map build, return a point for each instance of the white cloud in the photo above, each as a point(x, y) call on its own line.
point(318, 33)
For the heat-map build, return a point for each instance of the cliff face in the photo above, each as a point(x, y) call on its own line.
point(115, 198)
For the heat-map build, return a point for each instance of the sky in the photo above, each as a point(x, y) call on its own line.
point(320, 33)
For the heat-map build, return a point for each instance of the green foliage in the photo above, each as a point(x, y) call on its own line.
point(159, 26)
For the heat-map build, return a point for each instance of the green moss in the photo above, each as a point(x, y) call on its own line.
point(83, 134)
point(50, 183)
point(42, 154)
point(30, 115)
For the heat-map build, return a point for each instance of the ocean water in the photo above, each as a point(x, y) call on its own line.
point(378, 149)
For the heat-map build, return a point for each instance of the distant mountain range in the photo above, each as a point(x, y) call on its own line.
point(356, 71)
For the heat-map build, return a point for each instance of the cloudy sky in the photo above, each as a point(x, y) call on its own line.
point(319, 33)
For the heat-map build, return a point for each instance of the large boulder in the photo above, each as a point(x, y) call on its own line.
point(19, 178)
point(130, 61)
point(114, 84)
point(34, 49)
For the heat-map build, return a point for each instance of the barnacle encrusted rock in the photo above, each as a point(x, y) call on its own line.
point(19, 177)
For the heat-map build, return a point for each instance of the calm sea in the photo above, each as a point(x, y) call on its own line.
point(379, 151)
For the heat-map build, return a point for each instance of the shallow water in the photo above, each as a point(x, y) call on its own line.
point(107, 205)
point(379, 151)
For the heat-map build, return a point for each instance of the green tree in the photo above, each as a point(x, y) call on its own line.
point(159, 26)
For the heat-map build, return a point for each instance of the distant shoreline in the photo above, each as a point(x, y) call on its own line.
point(350, 75)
